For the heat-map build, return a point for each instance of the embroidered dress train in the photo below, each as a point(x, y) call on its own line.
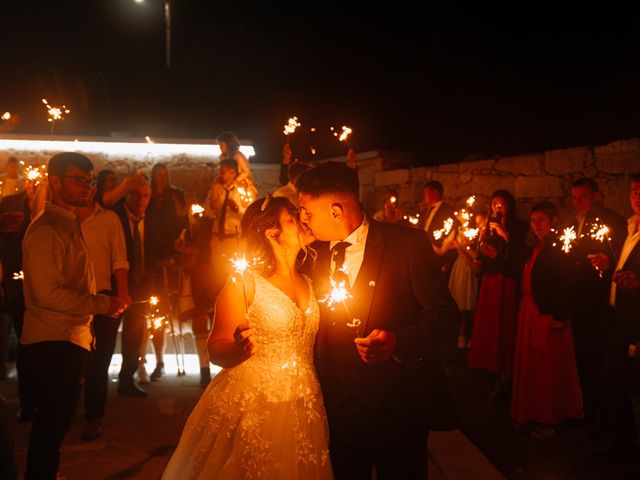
point(263, 418)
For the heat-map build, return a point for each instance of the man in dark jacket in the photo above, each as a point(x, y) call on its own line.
point(378, 354)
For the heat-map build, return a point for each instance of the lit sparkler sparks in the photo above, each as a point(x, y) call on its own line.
point(245, 195)
point(445, 230)
point(56, 113)
point(6, 116)
point(18, 275)
point(567, 238)
point(393, 199)
point(197, 210)
point(290, 126)
point(471, 200)
point(35, 174)
point(470, 233)
point(600, 232)
point(338, 294)
point(412, 219)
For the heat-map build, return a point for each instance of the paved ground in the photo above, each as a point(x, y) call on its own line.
point(140, 435)
point(488, 425)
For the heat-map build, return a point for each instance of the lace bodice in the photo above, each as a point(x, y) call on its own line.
point(284, 336)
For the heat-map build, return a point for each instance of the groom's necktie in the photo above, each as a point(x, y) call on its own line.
point(338, 254)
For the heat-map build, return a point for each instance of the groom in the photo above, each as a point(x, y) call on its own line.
point(378, 354)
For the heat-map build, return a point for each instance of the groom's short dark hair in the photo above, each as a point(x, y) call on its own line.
point(330, 178)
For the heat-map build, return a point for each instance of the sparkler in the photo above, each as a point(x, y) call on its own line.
point(245, 195)
point(290, 127)
point(18, 275)
point(413, 220)
point(445, 230)
point(567, 238)
point(339, 294)
point(471, 200)
point(197, 210)
point(55, 113)
point(600, 232)
point(35, 174)
point(6, 116)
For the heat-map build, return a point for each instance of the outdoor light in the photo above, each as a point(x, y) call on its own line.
point(140, 150)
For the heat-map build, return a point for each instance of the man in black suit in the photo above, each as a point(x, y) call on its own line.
point(141, 272)
point(592, 315)
point(622, 352)
point(378, 354)
point(436, 212)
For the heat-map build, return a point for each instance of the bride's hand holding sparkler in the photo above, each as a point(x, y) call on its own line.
point(377, 347)
point(242, 338)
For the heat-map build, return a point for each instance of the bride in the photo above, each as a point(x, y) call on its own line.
point(262, 416)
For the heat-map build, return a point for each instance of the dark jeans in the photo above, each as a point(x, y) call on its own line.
point(359, 442)
point(58, 367)
point(96, 382)
point(590, 332)
point(620, 380)
point(133, 325)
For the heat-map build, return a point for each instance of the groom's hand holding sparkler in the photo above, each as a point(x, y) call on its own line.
point(377, 347)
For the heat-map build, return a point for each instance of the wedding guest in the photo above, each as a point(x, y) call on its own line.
point(290, 191)
point(166, 220)
point(230, 150)
point(622, 350)
point(104, 237)
point(140, 281)
point(378, 355)
point(11, 181)
point(463, 281)
point(592, 315)
point(389, 213)
point(111, 195)
point(60, 296)
point(106, 182)
point(500, 261)
point(228, 200)
point(436, 212)
point(546, 388)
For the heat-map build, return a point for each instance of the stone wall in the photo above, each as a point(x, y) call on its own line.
point(531, 177)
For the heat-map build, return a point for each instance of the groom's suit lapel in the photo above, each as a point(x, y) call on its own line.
point(366, 282)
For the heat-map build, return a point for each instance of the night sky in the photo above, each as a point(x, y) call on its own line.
point(440, 86)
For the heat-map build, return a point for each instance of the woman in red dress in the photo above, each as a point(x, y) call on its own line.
point(546, 388)
point(500, 258)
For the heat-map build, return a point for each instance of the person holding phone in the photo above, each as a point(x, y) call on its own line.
point(501, 255)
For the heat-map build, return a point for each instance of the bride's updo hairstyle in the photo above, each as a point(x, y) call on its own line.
point(259, 217)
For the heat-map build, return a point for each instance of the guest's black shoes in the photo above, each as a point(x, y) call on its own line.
point(131, 389)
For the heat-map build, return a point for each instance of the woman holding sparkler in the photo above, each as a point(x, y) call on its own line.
point(262, 416)
point(500, 261)
point(546, 388)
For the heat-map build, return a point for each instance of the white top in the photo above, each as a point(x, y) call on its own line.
point(59, 285)
point(104, 237)
point(354, 253)
point(629, 244)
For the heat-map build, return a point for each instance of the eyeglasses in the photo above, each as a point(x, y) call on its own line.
point(82, 181)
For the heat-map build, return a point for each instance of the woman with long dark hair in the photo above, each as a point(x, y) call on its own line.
point(499, 260)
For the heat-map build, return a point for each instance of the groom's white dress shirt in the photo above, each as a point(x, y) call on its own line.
point(354, 253)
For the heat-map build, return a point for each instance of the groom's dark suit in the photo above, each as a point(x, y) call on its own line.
point(399, 288)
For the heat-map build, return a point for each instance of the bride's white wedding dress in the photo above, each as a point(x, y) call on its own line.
point(263, 418)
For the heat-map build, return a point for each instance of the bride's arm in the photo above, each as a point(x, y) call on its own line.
point(229, 342)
